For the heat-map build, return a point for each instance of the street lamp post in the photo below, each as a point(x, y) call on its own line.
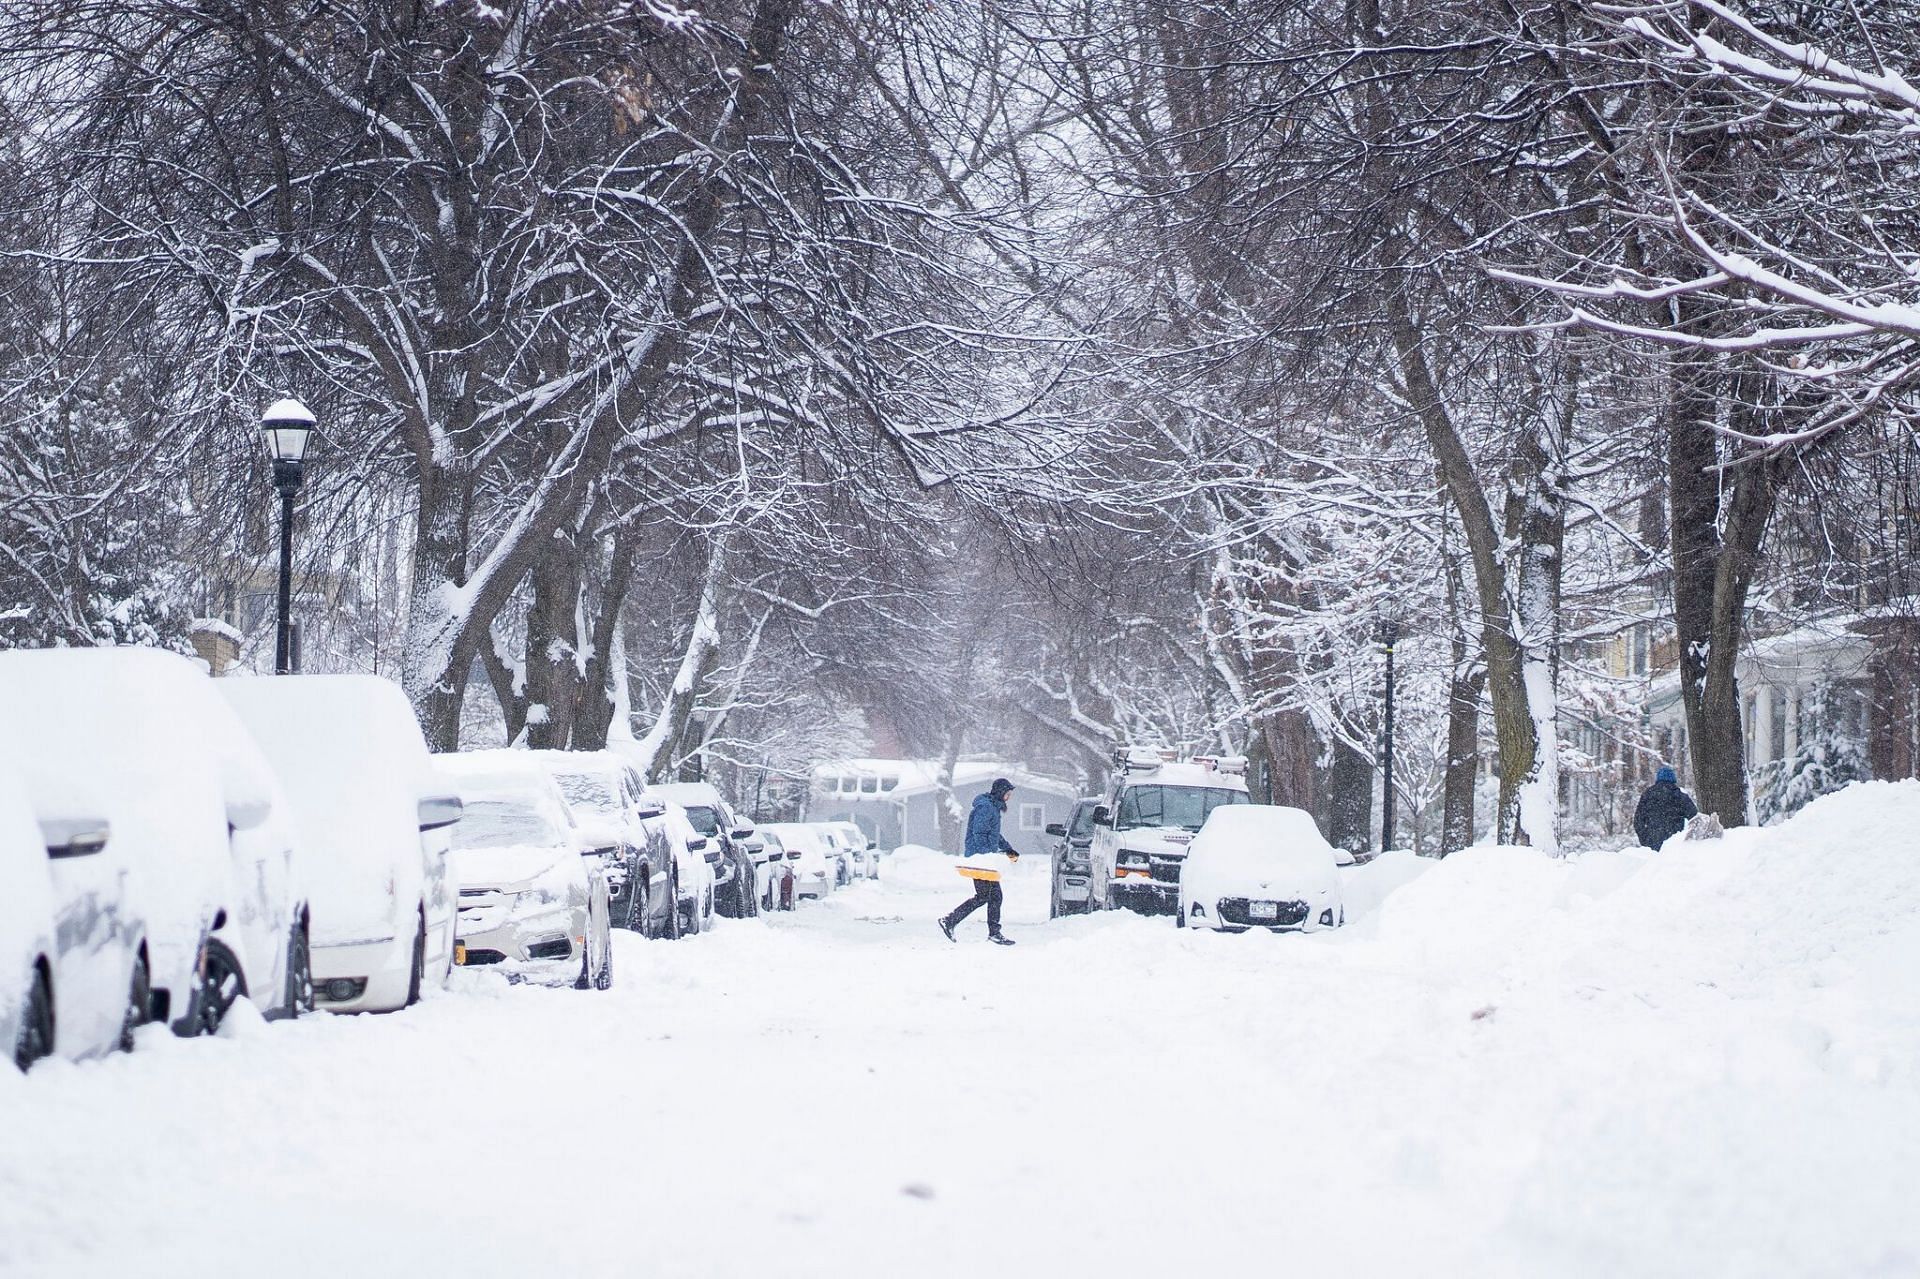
point(1389, 635)
point(286, 424)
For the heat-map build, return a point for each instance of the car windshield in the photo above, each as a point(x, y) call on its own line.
point(591, 791)
point(1179, 806)
point(497, 823)
point(1082, 822)
point(703, 820)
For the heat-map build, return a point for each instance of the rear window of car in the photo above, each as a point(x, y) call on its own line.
point(591, 791)
point(495, 823)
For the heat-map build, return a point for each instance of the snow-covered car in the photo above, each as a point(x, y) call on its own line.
point(199, 825)
point(72, 971)
point(861, 846)
point(694, 859)
point(1151, 812)
point(838, 850)
point(372, 816)
point(773, 865)
point(736, 894)
point(1069, 870)
point(815, 869)
point(616, 817)
point(1261, 866)
point(530, 891)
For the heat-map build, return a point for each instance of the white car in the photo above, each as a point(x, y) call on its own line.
point(72, 970)
point(1261, 866)
point(198, 824)
point(694, 858)
point(530, 891)
point(773, 871)
point(736, 893)
point(815, 870)
point(837, 847)
point(372, 820)
point(865, 852)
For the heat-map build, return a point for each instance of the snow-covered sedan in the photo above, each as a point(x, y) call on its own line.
point(72, 969)
point(1261, 866)
point(202, 850)
point(530, 892)
point(372, 819)
point(694, 858)
point(862, 846)
point(773, 870)
point(617, 818)
point(815, 870)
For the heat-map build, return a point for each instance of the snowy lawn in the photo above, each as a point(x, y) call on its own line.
point(1705, 1063)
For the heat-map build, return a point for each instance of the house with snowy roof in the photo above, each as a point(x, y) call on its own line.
point(898, 801)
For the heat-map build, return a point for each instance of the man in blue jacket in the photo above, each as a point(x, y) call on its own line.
point(1663, 811)
point(983, 836)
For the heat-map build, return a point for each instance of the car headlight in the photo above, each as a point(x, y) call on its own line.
point(1131, 859)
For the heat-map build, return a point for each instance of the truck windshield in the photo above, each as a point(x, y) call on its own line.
point(1181, 806)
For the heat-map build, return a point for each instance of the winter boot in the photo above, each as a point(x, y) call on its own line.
point(946, 926)
point(998, 939)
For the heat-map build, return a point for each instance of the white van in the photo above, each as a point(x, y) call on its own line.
point(371, 814)
point(201, 848)
point(1153, 808)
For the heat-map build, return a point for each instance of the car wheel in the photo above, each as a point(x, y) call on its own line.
point(218, 984)
point(36, 1024)
point(299, 972)
point(1053, 898)
point(603, 975)
point(416, 975)
point(1179, 916)
point(139, 1002)
point(749, 896)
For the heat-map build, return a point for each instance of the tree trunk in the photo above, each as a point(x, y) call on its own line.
point(438, 643)
point(1349, 804)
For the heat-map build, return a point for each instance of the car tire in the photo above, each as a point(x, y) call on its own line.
point(749, 896)
point(417, 971)
point(1179, 916)
point(1053, 897)
point(674, 930)
point(218, 983)
point(603, 975)
point(36, 1024)
point(299, 972)
point(139, 1002)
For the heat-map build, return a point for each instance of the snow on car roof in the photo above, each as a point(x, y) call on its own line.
point(689, 794)
point(1263, 821)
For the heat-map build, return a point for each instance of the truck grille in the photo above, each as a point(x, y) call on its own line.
point(1166, 870)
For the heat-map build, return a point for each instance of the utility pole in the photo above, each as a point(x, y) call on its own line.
point(1389, 635)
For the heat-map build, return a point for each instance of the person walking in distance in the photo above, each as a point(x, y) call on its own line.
point(1664, 810)
point(984, 844)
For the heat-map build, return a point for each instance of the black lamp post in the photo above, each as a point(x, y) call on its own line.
point(1389, 635)
point(286, 424)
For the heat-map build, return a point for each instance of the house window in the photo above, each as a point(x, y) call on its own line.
point(1033, 816)
point(869, 785)
point(1638, 643)
point(888, 783)
point(1778, 725)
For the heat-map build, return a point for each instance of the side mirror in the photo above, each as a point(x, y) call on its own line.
point(873, 845)
point(1102, 817)
point(245, 814)
point(439, 811)
point(1342, 856)
point(74, 836)
point(1057, 829)
point(698, 844)
point(742, 833)
point(648, 809)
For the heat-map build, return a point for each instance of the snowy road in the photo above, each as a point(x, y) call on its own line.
point(1490, 1075)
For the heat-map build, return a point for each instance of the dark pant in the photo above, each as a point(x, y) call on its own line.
point(984, 891)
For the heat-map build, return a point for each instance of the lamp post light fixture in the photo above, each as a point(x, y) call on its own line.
point(1388, 635)
point(287, 425)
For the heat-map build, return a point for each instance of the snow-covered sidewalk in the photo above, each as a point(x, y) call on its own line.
point(1705, 1063)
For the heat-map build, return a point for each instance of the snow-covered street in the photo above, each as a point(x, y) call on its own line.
point(1702, 1064)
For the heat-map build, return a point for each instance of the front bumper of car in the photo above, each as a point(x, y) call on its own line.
point(1076, 882)
point(496, 925)
point(377, 972)
point(1278, 913)
point(1147, 896)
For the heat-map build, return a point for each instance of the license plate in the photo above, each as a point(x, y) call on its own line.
point(1263, 910)
point(459, 952)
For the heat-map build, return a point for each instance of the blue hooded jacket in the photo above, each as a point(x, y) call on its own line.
point(983, 827)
